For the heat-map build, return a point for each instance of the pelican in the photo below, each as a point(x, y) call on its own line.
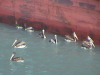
point(42, 35)
point(17, 59)
point(71, 39)
point(29, 29)
point(18, 27)
point(91, 41)
point(17, 44)
point(54, 40)
point(88, 44)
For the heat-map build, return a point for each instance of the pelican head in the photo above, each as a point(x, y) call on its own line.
point(12, 56)
point(54, 40)
point(90, 39)
point(43, 31)
point(42, 34)
point(14, 43)
point(75, 36)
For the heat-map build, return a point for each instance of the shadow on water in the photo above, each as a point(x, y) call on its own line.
point(44, 58)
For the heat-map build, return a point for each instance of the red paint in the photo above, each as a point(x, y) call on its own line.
point(83, 16)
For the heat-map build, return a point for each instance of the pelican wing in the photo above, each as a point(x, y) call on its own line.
point(68, 37)
point(28, 28)
point(21, 43)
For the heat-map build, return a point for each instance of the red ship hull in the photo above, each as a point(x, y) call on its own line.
point(55, 16)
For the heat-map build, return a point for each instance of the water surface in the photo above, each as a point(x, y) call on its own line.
point(44, 58)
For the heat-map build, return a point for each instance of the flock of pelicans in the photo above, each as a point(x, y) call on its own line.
point(87, 44)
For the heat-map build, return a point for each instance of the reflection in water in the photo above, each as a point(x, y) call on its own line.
point(44, 58)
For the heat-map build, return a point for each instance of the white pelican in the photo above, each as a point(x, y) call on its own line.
point(17, 59)
point(19, 27)
point(54, 40)
point(17, 44)
point(71, 39)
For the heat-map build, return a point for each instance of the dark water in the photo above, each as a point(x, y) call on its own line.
point(44, 58)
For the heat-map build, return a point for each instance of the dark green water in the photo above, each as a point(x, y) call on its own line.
point(44, 58)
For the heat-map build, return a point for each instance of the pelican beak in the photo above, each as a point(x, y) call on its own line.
point(14, 42)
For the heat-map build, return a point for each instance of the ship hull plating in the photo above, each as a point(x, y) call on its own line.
point(56, 16)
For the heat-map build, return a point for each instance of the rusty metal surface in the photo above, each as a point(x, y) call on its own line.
point(56, 16)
